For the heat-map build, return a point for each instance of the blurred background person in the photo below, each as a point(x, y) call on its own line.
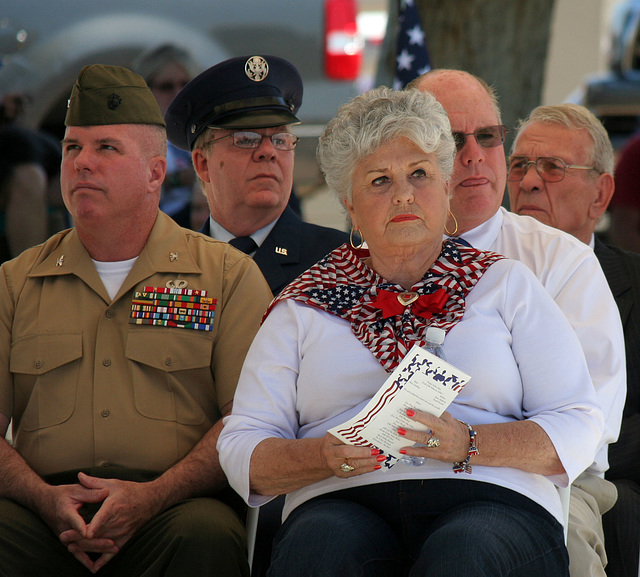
point(199, 209)
point(31, 207)
point(560, 173)
point(624, 207)
point(23, 189)
point(11, 107)
point(167, 69)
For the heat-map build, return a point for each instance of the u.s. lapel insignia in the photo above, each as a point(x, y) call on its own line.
point(282, 251)
point(60, 260)
point(173, 256)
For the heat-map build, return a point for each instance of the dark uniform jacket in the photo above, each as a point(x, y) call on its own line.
point(622, 270)
point(291, 248)
point(620, 524)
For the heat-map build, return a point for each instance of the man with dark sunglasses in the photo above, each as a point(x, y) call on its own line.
point(561, 173)
point(567, 268)
point(235, 119)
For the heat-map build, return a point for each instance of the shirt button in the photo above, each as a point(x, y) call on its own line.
point(168, 361)
point(107, 362)
point(38, 364)
point(105, 412)
point(109, 314)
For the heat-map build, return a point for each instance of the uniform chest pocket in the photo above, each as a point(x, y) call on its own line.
point(45, 370)
point(171, 373)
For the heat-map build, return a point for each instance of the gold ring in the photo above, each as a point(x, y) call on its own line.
point(433, 442)
point(346, 468)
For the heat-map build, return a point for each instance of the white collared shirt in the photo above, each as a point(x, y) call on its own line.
point(572, 275)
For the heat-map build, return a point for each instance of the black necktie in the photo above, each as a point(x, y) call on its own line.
point(244, 243)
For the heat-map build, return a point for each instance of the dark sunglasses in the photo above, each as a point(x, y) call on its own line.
point(168, 86)
point(487, 137)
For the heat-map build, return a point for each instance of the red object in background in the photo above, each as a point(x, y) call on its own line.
point(343, 42)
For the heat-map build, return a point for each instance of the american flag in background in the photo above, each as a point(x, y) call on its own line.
point(412, 58)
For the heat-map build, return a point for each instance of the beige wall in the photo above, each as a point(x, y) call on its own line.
point(579, 45)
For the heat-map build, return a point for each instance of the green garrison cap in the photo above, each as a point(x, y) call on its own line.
point(111, 95)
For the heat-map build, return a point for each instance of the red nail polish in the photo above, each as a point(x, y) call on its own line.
point(375, 452)
point(381, 458)
point(402, 432)
point(410, 413)
point(402, 451)
point(377, 468)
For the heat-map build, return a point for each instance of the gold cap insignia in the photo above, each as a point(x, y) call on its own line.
point(256, 68)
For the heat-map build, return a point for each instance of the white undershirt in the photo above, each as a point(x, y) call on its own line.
point(114, 273)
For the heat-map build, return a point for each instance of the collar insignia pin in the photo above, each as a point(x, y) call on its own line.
point(60, 260)
point(173, 256)
point(283, 251)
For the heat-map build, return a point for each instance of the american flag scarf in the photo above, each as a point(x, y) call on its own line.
point(341, 284)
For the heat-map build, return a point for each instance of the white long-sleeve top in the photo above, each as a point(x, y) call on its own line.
point(572, 275)
point(306, 372)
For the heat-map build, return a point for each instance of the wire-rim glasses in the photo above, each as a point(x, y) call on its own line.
point(249, 140)
point(549, 168)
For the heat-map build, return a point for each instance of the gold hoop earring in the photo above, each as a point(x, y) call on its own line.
point(455, 230)
point(351, 239)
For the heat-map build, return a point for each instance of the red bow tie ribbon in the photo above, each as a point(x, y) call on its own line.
point(392, 303)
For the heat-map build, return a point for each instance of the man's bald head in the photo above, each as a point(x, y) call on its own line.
point(480, 174)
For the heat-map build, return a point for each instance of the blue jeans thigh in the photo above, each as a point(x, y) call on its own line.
point(486, 539)
point(335, 537)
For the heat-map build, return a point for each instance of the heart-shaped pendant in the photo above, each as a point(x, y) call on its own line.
point(405, 299)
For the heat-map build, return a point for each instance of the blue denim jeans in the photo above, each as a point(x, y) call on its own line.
point(431, 528)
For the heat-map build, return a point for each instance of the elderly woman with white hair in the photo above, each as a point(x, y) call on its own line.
point(527, 421)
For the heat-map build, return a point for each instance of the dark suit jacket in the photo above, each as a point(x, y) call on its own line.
point(291, 248)
point(622, 270)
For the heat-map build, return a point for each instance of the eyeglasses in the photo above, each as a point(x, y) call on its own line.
point(487, 137)
point(550, 169)
point(250, 140)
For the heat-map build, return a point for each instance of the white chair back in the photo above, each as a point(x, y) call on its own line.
point(565, 497)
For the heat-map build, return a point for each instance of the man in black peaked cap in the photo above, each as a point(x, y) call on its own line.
point(236, 120)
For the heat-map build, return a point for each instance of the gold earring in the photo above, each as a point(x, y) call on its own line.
point(351, 239)
point(455, 230)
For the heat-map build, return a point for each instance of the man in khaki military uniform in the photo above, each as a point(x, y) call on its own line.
point(121, 341)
